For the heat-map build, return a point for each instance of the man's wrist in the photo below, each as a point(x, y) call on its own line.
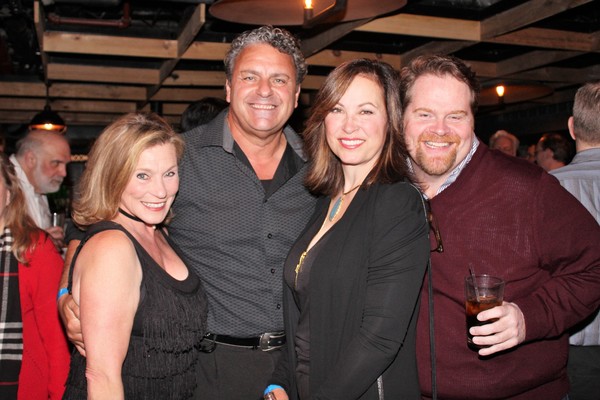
point(61, 292)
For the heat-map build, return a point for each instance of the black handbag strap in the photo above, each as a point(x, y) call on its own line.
point(431, 333)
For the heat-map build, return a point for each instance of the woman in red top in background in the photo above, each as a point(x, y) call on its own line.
point(34, 358)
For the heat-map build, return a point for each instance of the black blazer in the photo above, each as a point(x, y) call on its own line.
point(364, 290)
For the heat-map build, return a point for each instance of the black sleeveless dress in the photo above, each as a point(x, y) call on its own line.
point(167, 330)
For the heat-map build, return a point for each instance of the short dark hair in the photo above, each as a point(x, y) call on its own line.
point(200, 112)
point(438, 65)
point(561, 147)
point(325, 174)
point(277, 38)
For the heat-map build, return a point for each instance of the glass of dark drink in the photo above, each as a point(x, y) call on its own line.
point(482, 292)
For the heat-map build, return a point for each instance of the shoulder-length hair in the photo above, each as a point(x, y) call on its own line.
point(24, 231)
point(325, 174)
point(112, 161)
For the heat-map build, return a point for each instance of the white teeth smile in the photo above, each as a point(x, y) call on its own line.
point(437, 144)
point(154, 205)
point(353, 142)
point(263, 106)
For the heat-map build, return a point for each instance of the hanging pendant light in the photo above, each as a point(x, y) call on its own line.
point(48, 120)
point(306, 13)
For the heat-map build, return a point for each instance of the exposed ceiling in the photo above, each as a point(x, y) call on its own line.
point(102, 58)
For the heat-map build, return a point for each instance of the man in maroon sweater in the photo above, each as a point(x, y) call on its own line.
point(501, 216)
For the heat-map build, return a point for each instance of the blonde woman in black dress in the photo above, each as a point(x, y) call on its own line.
point(142, 310)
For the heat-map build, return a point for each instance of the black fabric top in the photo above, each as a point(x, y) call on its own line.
point(300, 284)
point(168, 327)
point(234, 232)
point(364, 286)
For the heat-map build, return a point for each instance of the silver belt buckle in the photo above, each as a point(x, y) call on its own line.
point(266, 337)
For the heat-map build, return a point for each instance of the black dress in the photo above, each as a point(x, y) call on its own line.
point(165, 340)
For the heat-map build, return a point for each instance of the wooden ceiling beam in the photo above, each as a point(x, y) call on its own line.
point(40, 26)
point(16, 117)
point(523, 15)
point(22, 104)
point(532, 59)
point(549, 39)
point(333, 58)
point(595, 39)
point(84, 43)
point(191, 29)
point(24, 89)
point(188, 33)
point(94, 106)
point(187, 95)
point(483, 69)
point(72, 90)
point(97, 91)
point(570, 75)
point(314, 44)
point(35, 105)
point(195, 78)
point(435, 47)
point(425, 26)
point(206, 51)
point(313, 82)
point(80, 118)
point(90, 73)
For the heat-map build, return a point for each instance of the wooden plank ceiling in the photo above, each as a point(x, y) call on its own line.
point(97, 73)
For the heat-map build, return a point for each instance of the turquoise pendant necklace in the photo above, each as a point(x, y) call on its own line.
point(335, 210)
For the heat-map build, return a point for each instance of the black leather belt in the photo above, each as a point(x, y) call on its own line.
point(265, 342)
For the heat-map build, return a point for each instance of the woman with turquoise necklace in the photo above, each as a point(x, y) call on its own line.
point(353, 277)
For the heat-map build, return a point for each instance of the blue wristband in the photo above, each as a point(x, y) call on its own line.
point(62, 292)
point(270, 388)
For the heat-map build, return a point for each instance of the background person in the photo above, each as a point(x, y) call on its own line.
point(530, 156)
point(34, 357)
point(142, 340)
point(504, 141)
point(200, 112)
point(553, 151)
point(356, 270)
point(41, 162)
point(500, 216)
point(582, 179)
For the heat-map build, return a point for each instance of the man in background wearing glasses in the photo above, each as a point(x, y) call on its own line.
point(501, 216)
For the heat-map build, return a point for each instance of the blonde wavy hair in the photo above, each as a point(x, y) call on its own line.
point(112, 161)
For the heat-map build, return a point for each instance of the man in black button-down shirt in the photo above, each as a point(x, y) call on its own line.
point(240, 207)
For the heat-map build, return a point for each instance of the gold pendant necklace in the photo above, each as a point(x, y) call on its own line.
point(299, 267)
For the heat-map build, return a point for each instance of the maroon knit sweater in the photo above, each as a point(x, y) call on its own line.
point(506, 217)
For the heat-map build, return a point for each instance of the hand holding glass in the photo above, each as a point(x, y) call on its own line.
point(58, 219)
point(482, 293)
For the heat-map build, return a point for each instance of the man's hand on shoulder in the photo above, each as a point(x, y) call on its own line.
point(69, 313)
